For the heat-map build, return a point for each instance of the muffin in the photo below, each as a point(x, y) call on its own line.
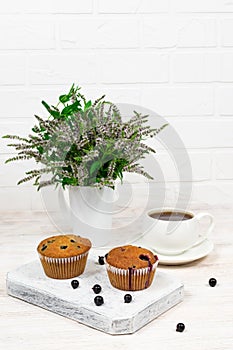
point(64, 256)
point(130, 267)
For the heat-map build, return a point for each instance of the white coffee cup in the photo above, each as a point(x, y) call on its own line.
point(174, 236)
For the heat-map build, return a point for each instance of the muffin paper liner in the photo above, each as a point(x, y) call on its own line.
point(64, 268)
point(131, 279)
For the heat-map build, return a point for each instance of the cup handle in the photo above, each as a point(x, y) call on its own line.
point(204, 235)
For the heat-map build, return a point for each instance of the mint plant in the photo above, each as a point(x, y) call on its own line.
point(82, 143)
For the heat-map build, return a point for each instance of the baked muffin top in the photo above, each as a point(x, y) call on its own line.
point(63, 246)
point(130, 256)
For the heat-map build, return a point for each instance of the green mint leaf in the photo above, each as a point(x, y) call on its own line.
point(94, 166)
point(87, 105)
point(53, 112)
point(71, 109)
point(64, 98)
point(40, 149)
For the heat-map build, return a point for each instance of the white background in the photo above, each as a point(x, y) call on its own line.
point(174, 57)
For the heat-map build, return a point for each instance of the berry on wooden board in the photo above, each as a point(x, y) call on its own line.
point(75, 284)
point(128, 298)
point(96, 288)
point(101, 260)
point(99, 300)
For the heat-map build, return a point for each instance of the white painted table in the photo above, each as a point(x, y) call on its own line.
point(207, 312)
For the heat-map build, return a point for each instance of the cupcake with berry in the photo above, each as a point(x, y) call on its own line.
point(64, 256)
point(130, 267)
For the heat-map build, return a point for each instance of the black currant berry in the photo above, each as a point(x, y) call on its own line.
point(101, 260)
point(128, 298)
point(75, 284)
point(99, 300)
point(212, 282)
point(180, 327)
point(97, 289)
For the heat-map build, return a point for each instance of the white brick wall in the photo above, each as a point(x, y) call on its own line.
point(133, 6)
point(167, 100)
point(177, 31)
point(133, 68)
point(174, 57)
point(99, 33)
point(206, 6)
point(195, 67)
point(12, 69)
point(224, 165)
point(26, 34)
point(226, 27)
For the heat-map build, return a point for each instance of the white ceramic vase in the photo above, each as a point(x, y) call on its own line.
point(91, 213)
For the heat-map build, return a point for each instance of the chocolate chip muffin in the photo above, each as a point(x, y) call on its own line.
point(64, 256)
point(130, 267)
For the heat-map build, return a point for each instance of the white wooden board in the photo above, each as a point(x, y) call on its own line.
point(29, 283)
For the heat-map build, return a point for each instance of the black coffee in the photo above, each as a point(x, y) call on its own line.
point(171, 216)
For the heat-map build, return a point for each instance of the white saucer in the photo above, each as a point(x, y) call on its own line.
point(194, 253)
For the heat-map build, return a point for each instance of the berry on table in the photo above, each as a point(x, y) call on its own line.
point(212, 282)
point(75, 284)
point(128, 298)
point(99, 300)
point(101, 260)
point(180, 327)
point(97, 289)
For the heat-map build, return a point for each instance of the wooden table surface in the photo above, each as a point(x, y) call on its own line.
point(206, 312)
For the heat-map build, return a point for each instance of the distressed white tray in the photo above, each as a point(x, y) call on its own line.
point(29, 283)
